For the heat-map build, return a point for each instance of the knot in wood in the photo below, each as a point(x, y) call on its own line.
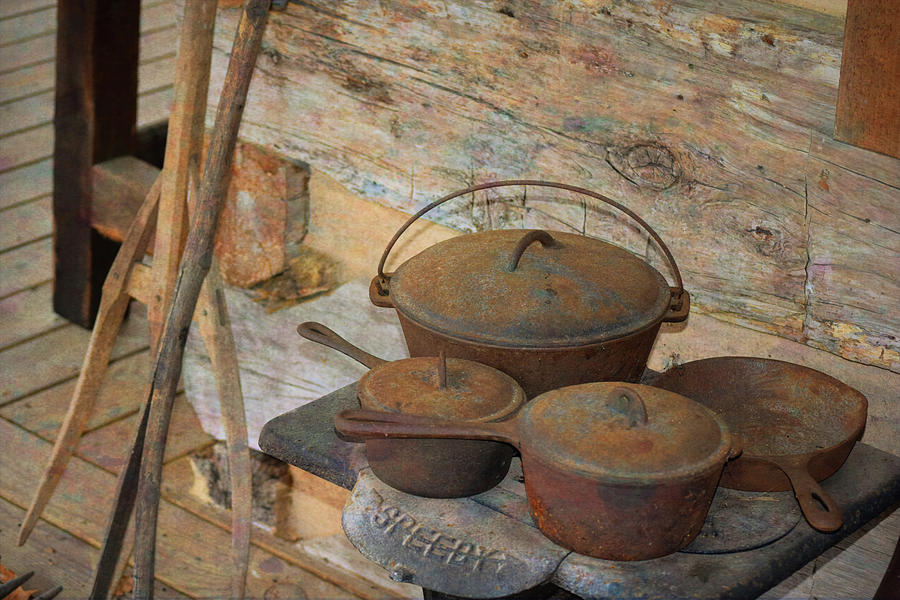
point(646, 165)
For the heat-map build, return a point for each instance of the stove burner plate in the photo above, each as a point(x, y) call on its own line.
point(739, 521)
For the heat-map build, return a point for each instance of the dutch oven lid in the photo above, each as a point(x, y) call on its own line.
point(472, 391)
point(625, 431)
point(529, 288)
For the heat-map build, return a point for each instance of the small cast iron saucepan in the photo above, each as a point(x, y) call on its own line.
point(440, 388)
point(797, 425)
point(612, 470)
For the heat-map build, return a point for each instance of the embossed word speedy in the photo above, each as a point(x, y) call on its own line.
point(437, 545)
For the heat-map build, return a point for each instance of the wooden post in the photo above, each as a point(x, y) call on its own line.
point(96, 111)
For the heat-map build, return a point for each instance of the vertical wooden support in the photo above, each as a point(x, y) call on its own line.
point(96, 111)
point(868, 105)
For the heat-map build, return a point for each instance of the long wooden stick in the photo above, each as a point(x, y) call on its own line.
point(194, 267)
point(113, 304)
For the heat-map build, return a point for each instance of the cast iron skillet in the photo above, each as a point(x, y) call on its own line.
point(796, 425)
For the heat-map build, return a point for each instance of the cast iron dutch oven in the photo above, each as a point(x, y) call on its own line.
point(612, 470)
point(441, 388)
point(797, 425)
point(548, 308)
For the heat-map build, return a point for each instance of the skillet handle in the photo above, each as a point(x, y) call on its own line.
point(359, 425)
point(819, 509)
point(316, 332)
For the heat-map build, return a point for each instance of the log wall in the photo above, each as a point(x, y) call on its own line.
point(714, 121)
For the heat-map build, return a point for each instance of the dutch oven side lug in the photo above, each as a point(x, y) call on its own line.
point(380, 291)
point(679, 306)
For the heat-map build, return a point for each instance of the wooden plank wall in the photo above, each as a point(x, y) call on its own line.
point(714, 121)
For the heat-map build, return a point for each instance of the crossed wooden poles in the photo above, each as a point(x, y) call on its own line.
point(172, 295)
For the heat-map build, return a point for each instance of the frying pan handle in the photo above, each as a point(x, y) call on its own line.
point(359, 425)
point(819, 509)
point(316, 332)
point(379, 291)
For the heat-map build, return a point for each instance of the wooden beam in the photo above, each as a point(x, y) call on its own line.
point(96, 111)
point(868, 105)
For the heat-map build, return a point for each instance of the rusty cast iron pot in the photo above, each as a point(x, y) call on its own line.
point(612, 470)
point(797, 425)
point(436, 387)
point(548, 308)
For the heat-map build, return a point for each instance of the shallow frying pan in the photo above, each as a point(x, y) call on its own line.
point(796, 425)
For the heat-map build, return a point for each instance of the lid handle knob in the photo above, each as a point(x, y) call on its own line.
point(626, 402)
point(538, 235)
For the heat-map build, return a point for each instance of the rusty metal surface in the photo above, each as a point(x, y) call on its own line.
point(617, 471)
point(868, 483)
point(573, 291)
point(472, 391)
point(436, 387)
point(459, 547)
point(539, 370)
point(797, 425)
point(591, 429)
point(739, 521)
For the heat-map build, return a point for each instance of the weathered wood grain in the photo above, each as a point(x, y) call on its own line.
point(32, 24)
point(700, 117)
point(191, 555)
point(25, 223)
point(25, 113)
point(26, 183)
point(26, 266)
point(28, 146)
point(868, 106)
point(336, 561)
point(28, 52)
point(26, 81)
point(57, 356)
point(120, 394)
point(853, 273)
point(108, 446)
point(154, 107)
point(26, 314)
point(11, 8)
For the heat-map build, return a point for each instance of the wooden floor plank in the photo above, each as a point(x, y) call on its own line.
point(40, 22)
point(158, 43)
point(25, 267)
point(157, 15)
point(121, 394)
point(26, 183)
point(192, 554)
point(108, 446)
point(11, 8)
point(27, 81)
point(156, 74)
point(57, 356)
point(26, 222)
point(364, 578)
point(26, 147)
point(56, 557)
point(155, 107)
point(26, 314)
point(28, 52)
point(25, 113)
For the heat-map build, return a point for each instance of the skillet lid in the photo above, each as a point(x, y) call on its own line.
point(624, 431)
point(529, 288)
point(412, 386)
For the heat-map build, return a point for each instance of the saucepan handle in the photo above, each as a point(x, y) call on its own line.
point(679, 304)
point(359, 425)
point(316, 332)
point(819, 509)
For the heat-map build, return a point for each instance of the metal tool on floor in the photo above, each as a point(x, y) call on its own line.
point(165, 209)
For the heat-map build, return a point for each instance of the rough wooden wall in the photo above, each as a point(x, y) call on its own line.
point(711, 120)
